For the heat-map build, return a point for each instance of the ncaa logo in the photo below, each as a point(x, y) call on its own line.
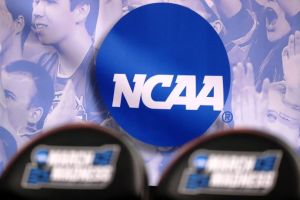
point(164, 74)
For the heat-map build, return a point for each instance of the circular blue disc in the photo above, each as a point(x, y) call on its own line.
point(164, 74)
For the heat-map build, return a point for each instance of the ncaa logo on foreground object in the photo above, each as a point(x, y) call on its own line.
point(229, 172)
point(71, 167)
point(164, 74)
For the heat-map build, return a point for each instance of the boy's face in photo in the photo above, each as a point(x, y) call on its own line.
point(277, 25)
point(19, 90)
point(6, 24)
point(53, 20)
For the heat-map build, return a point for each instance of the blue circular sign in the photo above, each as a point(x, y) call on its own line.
point(164, 74)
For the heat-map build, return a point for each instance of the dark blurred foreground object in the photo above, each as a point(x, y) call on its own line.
point(236, 164)
point(76, 162)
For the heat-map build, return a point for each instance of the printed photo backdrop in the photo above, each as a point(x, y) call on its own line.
point(47, 61)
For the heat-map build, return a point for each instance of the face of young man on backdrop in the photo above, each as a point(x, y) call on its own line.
point(277, 25)
point(53, 20)
point(19, 90)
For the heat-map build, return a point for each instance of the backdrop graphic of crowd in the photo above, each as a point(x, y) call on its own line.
point(47, 50)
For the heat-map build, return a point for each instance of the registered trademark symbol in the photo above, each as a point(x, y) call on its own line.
point(227, 117)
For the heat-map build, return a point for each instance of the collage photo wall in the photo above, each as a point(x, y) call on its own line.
point(47, 62)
